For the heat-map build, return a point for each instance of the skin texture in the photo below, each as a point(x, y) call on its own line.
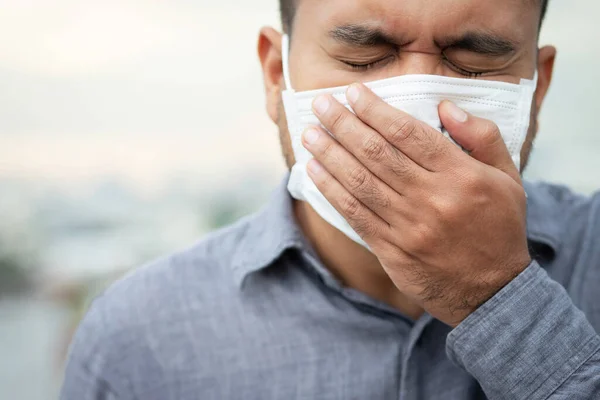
point(447, 230)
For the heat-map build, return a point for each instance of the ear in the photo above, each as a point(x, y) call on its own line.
point(269, 53)
point(545, 67)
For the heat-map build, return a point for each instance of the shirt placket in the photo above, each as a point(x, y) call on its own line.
point(409, 331)
point(409, 370)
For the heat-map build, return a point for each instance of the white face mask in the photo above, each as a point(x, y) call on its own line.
point(507, 105)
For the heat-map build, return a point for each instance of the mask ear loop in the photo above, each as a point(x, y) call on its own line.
point(531, 82)
point(285, 59)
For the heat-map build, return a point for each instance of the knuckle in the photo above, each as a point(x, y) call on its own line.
point(490, 133)
point(439, 147)
point(351, 206)
point(377, 199)
point(362, 184)
point(367, 108)
point(421, 238)
point(339, 121)
point(358, 179)
point(327, 150)
point(432, 144)
point(402, 168)
point(374, 149)
point(365, 228)
point(401, 128)
point(384, 201)
point(471, 179)
point(446, 209)
point(429, 150)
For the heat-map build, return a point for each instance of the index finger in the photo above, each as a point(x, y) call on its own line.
point(417, 140)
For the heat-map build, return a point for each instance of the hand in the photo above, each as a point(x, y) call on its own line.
point(448, 228)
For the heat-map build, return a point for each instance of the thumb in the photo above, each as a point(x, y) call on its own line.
point(480, 137)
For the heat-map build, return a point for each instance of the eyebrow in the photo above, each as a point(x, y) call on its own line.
point(477, 42)
point(360, 36)
point(481, 43)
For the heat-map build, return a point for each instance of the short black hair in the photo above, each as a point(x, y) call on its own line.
point(544, 8)
point(288, 11)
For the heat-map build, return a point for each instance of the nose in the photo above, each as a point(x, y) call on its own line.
point(412, 62)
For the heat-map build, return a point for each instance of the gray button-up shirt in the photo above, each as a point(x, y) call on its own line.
point(251, 313)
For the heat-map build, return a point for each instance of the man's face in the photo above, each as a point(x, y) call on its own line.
point(337, 42)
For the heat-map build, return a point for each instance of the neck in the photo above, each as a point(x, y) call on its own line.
point(353, 265)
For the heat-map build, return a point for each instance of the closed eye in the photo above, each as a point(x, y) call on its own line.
point(462, 71)
point(370, 65)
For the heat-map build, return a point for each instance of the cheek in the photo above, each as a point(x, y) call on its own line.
point(531, 134)
point(315, 71)
point(533, 122)
point(311, 67)
point(284, 137)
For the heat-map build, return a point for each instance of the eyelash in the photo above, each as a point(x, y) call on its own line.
point(368, 66)
point(462, 71)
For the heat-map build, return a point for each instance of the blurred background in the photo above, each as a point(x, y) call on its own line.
point(129, 129)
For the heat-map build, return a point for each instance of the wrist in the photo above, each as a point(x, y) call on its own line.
point(483, 288)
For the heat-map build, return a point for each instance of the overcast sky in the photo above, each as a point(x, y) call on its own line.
point(146, 90)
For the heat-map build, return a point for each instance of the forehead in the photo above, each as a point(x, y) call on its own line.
point(419, 18)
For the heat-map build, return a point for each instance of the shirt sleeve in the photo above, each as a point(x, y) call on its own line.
point(529, 342)
point(81, 384)
point(86, 376)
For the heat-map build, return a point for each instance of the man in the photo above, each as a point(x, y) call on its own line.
point(469, 283)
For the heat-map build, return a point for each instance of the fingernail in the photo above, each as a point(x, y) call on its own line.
point(321, 104)
point(315, 167)
point(353, 93)
point(311, 136)
point(456, 113)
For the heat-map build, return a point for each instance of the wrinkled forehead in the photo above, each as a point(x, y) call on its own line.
point(418, 18)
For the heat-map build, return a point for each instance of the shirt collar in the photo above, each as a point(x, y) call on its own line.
point(269, 233)
point(273, 230)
